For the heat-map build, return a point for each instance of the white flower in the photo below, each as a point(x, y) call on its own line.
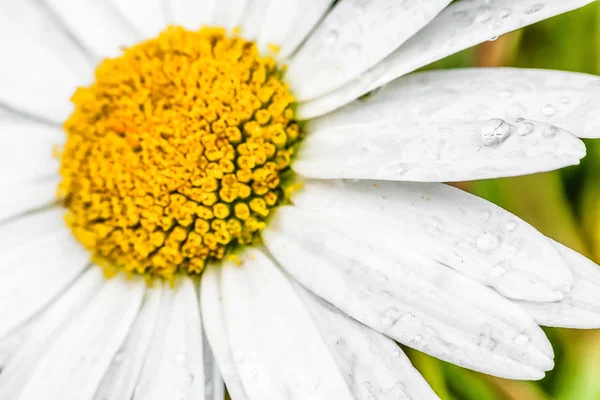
point(349, 268)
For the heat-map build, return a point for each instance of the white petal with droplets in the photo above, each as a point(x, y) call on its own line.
point(124, 371)
point(45, 330)
point(566, 99)
point(461, 25)
point(437, 151)
point(214, 389)
point(174, 367)
point(214, 327)
point(277, 349)
point(452, 227)
point(75, 363)
point(34, 275)
point(18, 198)
point(96, 24)
point(41, 67)
point(288, 22)
point(352, 38)
point(193, 14)
point(416, 301)
point(148, 17)
point(374, 366)
point(581, 307)
point(26, 150)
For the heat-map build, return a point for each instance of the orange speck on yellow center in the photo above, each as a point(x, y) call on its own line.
point(175, 154)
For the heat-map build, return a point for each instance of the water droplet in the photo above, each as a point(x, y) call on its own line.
point(485, 216)
point(487, 342)
point(549, 110)
point(407, 318)
point(417, 339)
point(533, 8)
point(495, 131)
point(332, 37)
point(520, 119)
point(487, 242)
point(493, 38)
point(435, 226)
point(497, 271)
point(504, 13)
point(381, 277)
point(396, 353)
point(525, 128)
point(521, 340)
point(550, 131)
point(483, 14)
point(511, 225)
point(565, 99)
point(389, 317)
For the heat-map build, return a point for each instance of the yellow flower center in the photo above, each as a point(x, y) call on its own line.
point(176, 153)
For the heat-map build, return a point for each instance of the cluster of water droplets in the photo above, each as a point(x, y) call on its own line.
point(486, 14)
point(497, 130)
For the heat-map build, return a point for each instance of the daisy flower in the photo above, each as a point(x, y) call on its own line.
point(233, 208)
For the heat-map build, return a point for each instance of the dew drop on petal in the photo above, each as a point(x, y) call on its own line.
point(534, 8)
point(487, 242)
point(396, 353)
point(549, 110)
point(497, 271)
point(331, 37)
point(511, 225)
point(495, 131)
point(504, 13)
point(550, 131)
point(484, 14)
point(525, 128)
point(389, 317)
point(565, 99)
point(521, 340)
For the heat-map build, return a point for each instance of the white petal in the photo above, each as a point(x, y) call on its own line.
point(276, 347)
point(452, 227)
point(214, 389)
point(148, 17)
point(193, 14)
point(124, 371)
point(352, 38)
point(74, 365)
point(214, 327)
point(567, 99)
point(18, 198)
point(461, 25)
point(26, 230)
point(373, 365)
point(97, 25)
point(229, 13)
point(174, 367)
point(41, 66)
point(35, 275)
point(45, 330)
point(581, 307)
point(416, 301)
point(437, 151)
point(254, 18)
point(26, 150)
point(288, 22)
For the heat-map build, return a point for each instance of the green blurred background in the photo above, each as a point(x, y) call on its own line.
point(564, 205)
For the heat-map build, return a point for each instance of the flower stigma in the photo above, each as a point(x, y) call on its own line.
point(177, 153)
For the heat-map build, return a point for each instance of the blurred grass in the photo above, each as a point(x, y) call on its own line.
point(564, 205)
